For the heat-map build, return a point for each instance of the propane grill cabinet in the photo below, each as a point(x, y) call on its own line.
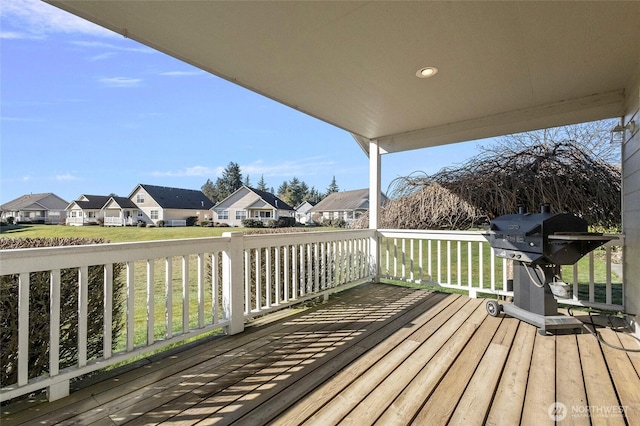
point(539, 244)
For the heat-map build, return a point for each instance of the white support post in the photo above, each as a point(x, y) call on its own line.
point(374, 207)
point(232, 283)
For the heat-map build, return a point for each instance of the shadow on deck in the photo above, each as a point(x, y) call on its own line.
point(375, 354)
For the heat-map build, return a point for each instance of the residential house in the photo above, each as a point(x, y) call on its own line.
point(250, 203)
point(86, 210)
point(302, 212)
point(35, 208)
point(172, 205)
point(346, 205)
point(120, 211)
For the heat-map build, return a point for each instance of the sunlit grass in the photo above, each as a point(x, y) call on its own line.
point(113, 234)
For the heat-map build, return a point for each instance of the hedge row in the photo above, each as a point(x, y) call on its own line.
point(39, 317)
point(283, 222)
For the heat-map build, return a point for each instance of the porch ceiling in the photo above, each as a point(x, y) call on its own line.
point(504, 67)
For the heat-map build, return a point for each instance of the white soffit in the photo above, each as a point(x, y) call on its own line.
point(503, 67)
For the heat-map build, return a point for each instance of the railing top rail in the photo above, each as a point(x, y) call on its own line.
point(271, 240)
point(16, 261)
point(434, 234)
point(617, 239)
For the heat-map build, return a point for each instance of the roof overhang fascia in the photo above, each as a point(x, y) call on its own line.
point(590, 108)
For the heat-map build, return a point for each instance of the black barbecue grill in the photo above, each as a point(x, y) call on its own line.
point(538, 244)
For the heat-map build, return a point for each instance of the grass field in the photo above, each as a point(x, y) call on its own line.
point(112, 234)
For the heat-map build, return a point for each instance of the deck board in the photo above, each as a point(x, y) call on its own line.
point(375, 354)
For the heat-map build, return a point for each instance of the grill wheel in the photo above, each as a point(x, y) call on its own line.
point(493, 308)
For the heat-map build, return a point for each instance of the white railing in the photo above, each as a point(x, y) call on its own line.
point(117, 221)
point(159, 293)
point(172, 291)
point(465, 261)
point(74, 220)
point(175, 222)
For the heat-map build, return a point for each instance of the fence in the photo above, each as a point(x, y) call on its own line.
point(179, 289)
point(465, 261)
point(176, 290)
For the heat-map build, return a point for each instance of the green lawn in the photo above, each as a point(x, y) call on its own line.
point(112, 234)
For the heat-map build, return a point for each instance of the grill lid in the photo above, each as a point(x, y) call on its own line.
point(545, 237)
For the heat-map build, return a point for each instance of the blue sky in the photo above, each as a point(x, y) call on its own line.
point(86, 111)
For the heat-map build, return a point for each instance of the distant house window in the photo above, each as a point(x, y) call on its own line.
point(154, 214)
point(91, 215)
point(223, 214)
point(241, 214)
point(73, 214)
point(140, 198)
point(264, 215)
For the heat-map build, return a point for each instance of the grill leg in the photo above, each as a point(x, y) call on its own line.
point(533, 301)
point(531, 290)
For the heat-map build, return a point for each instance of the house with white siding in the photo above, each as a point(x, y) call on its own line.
point(172, 205)
point(120, 211)
point(346, 205)
point(250, 203)
point(302, 212)
point(86, 210)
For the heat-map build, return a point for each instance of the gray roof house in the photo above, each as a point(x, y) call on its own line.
point(35, 208)
point(86, 210)
point(250, 203)
point(171, 205)
point(347, 205)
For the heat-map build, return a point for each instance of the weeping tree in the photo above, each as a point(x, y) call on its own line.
point(573, 169)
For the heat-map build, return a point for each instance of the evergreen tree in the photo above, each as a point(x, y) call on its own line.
point(210, 191)
point(247, 181)
point(312, 196)
point(262, 185)
point(333, 186)
point(295, 192)
point(282, 189)
point(230, 181)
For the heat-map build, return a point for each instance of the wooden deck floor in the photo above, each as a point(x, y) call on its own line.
point(375, 354)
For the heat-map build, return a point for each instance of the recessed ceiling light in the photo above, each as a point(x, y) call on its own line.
point(427, 72)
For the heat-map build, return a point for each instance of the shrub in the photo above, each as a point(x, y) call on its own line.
point(272, 223)
point(286, 222)
point(252, 223)
point(141, 223)
point(192, 220)
point(160, 224)
point(335, 223)
point(39, 311)
point(206, 223)
point(100, 221)
point(11, 220)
